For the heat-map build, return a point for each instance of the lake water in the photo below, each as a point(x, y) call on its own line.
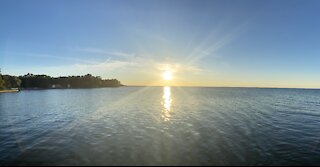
point(160, 126)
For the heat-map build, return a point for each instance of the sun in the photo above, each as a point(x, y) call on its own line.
point(167, 75)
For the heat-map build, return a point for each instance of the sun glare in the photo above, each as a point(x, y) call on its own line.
point(167, 75)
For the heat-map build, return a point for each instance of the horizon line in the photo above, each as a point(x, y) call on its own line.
point(252, 87)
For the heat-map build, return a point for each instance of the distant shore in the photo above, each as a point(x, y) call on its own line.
point(22, 89)
point(8, 91)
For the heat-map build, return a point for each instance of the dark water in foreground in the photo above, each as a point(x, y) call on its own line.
point(160, 126)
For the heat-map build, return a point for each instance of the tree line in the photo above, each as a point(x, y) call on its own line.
point(8, 82)
point(30, 81)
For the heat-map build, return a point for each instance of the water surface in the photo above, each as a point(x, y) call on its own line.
point(160, 126)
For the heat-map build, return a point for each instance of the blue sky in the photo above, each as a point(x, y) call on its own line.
point(274, 43)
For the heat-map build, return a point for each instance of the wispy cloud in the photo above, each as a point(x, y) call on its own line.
point(141, 62)
point(122, 54)
point(100, 51)
point(100, 68)
point(129, 64)
point(138, 64)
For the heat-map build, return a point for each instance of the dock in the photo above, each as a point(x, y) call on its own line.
point(8, 91)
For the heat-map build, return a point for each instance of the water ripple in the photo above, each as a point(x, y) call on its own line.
point(160, 126)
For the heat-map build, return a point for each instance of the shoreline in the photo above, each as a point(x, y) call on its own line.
point(8, 91)
point(23, 89)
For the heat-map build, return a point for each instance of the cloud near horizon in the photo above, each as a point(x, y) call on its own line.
point(118, 65)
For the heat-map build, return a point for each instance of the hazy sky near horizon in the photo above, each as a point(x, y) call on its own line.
point(264, 43)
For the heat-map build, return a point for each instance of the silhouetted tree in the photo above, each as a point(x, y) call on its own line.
point(30, 81)
point(1, 81)
point(86, 81)
point(11, 81)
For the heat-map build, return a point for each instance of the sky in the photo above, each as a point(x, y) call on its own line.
point(233, 43)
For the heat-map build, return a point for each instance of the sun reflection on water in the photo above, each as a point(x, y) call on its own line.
point(167, 100)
